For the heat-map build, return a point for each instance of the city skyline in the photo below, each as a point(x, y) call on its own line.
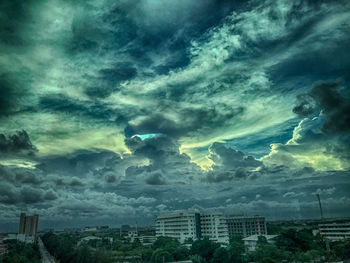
point(115, 111)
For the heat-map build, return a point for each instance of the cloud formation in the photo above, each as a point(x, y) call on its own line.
point(321, 140)
point(113, 110)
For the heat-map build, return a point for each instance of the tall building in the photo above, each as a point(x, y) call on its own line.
point(245, 226)
point(28, 225)
point(192, 224)
point(335, 231)
point(22, 221)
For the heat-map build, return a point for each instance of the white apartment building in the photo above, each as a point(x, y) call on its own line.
point(192, 224)
point(214, 226)
point(179, 224)
point(335, 231)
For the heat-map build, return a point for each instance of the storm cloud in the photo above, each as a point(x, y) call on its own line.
point(111, 111)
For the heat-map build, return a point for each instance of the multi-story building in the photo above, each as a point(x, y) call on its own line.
point(192, 224)
point(28, 225)
point(245, 226)
point(335, 231)
point(214, 226)
point(182, 225)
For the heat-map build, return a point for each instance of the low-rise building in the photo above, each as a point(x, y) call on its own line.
point(335, 231)
point(252, 241)
point(26, 238)
point(147, 240)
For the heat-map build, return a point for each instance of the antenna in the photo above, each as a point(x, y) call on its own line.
point(319, 202)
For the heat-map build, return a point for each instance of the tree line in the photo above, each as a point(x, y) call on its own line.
point(290, 246)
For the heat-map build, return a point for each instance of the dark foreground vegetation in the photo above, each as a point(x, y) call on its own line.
point(290, 246)
point(18, 252)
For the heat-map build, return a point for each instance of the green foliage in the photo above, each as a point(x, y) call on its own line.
point(168, 246)
point(160, 255)
point(268, 253)
point(147, 254)
point(342, 249)
point(181, 253)
point(296, 241)
point(236, 250)
point(204, 248)
point(22, 253)
point(63, 247)
point(221, 255)
point(291, 246)
point(197, 259)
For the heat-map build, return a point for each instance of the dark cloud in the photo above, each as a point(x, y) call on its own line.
point(120, 72)
point(90, 109)
point(305, 105)
point(18, 143)
point(12, 195)
point(219, 176)
point(166, 164)
point(98, 164)
point(189, 72)
point(155, 178)
point(331, 101)
point(13, 21)
point(230, 158)
point(187, 121)
point(11, 94)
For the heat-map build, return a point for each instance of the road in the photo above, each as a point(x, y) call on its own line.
point(45, 255)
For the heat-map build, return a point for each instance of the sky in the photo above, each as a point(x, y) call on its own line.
point(114, 111)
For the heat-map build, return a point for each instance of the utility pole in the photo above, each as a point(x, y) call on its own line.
point(322, 220)
point(319, 202)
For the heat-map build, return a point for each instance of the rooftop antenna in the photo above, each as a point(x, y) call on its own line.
point(319, 202)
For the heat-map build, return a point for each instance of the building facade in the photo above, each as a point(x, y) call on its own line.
point(335, 231)
point(28, 226)
point(192, 224)
point(245, 226)
point(214, 226)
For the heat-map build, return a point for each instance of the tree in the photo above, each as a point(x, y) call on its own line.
point(221, 255)
point(146, 254)
point(268, 253)
point(204, 248)
point(342, 249)
point(236, 250)
point(161, 255)
point(83, 255)
point(181, 253)
point(296, 241)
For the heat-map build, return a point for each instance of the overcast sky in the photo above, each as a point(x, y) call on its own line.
point(113, 111)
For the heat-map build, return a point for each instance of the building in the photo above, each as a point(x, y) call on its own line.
point(181, 225)
point(252, 241)
point(147, 240)
point(133, 235)
point(214, 226)
point(245, 226)
point(28, 228)
point(192, 224)
point(335, 231)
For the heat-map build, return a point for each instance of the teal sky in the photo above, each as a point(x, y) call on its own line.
point(116, 110)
